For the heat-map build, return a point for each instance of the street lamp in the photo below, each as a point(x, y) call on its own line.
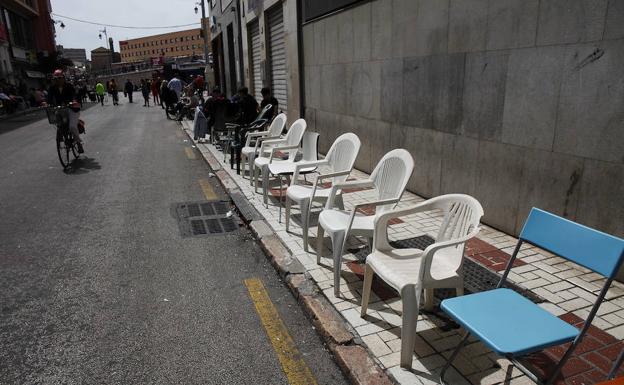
point(204, 29)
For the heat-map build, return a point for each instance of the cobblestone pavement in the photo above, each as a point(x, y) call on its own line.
point(567, 290)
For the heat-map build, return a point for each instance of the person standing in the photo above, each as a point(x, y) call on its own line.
point(145, 90)
point(99, 91)
point(156, 90)
point(112, 89)
point(175, 84)
point(247, 107)
point(268, 98)
point(129, 90)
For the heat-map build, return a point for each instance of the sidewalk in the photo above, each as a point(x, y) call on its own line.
point(562, 288)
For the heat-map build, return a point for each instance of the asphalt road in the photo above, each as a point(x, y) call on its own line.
point(97, 286)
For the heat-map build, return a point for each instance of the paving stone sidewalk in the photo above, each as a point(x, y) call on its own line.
point(562, 288)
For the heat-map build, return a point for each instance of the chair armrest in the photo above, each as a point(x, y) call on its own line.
point(305, 164)
point(281, 148)
point(380, 237)
point(339, 186)
point(430, 251)
point(253, 135)
point(266, 143)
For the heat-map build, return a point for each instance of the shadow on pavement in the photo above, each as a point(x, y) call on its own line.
point(83, 165)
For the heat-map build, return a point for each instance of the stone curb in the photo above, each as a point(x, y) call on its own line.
point(354, 359)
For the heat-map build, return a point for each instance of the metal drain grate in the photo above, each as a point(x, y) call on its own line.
point(205, 218)
point(476, 277)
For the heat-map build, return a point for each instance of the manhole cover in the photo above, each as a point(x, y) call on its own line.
point(197, 219)
point(476, 277)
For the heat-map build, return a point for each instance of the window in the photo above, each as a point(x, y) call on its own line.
point(193, 46)
point(193, 37)
point(170, 41)
point(20, 29)
point(177, 48)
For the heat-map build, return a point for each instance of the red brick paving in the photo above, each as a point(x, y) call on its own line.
point(489, 256)
point(591, 361)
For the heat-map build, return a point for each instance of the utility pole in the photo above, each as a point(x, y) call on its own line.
point(204, 30)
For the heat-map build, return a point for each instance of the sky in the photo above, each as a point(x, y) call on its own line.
point(138, 13)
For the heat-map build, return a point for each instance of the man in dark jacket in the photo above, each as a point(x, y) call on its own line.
point(128, 90)
point(247, 107)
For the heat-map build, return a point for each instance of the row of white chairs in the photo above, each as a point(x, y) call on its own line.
point(409, 271)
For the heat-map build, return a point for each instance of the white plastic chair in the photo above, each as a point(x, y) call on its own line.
point(287, 168)
point(339, 162)
point(411, 270)
point(249, 152)
point(388, 181)
point(289, 144)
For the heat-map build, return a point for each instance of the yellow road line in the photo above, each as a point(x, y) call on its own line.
point(190, 153)
point(292, 363)
point(209, 192)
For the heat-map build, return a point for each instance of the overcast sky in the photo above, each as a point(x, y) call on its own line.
point(120, 12)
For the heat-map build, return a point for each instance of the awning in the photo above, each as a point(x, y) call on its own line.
point(35, 74)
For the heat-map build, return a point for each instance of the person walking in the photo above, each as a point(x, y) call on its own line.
point(129, 90)
point(163, 93)
point(156, 91)
point(112, 89)
point(145, 90)
point(99, 91)
point(176, 85)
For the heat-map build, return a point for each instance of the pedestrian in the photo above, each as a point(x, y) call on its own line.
point(99, 91)
point(145, 90)
point(163, 93)
point(267, 98)
point(156, 91)
point(129, 90)
point(176, 85)
point(247, 107)
point(112, 89)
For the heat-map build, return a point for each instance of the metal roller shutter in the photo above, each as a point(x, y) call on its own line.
point(256, 68)
point(277, 54)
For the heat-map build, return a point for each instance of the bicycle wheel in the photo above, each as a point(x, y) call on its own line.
point(62, 149)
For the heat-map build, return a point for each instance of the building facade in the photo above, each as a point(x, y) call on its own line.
point(101, 59)
point(227, 45)
point(270, 52)
point(518, 103)
point(173, 44)
point(76, 55)
point(27, 35)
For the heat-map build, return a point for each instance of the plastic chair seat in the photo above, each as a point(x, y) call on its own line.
point(508, 323)
point(398, 267)
point(338, 220)
point(300, 193)
point(401, 267)
point(248, 150)
point(287, 168)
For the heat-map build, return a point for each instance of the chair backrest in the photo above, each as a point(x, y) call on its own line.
point(593, 249)
point(391, 175)
point(310, 146)
point(342, 154)
point(294, 136)
point(277, 126)
point(263, 112)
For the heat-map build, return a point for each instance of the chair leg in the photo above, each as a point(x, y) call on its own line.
point(279, 218)
point(250, 164)
point(338, 240)
point(428, 299)
point(287, 205)
point(265, 186)
point(459, 290)
point(242, 164)
point(369, 273)
point(305, 222)
point(256, 174)
point(408, 326)
point(319, 243)
point(459, 347)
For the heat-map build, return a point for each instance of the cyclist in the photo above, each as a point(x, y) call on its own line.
point(63, 94)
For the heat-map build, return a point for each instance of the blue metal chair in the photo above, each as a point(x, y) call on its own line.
point(511, 325)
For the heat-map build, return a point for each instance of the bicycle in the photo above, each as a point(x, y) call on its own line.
point(59, 116)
